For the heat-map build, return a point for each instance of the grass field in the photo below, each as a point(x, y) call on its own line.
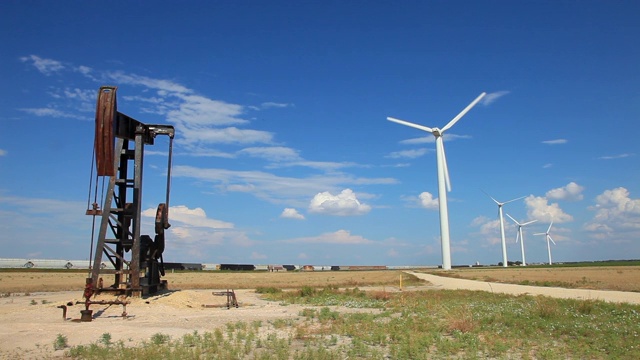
point(622, 278)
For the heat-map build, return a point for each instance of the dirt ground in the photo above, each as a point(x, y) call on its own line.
point(32, 320)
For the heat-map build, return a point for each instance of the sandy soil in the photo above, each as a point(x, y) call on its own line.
point(32, 320)
point(31, 326)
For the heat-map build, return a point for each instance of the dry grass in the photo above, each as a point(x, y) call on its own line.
point(27, 281)
point(621, 278)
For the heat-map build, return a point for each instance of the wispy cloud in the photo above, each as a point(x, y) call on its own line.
point(410, 154)
point(619, 156)
point(45, 66)
point(340, 237)
point(3, 152)
point(49, 112)
point(555, 141)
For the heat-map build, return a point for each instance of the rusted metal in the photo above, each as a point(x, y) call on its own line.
point(231, 299)
point(106, 110)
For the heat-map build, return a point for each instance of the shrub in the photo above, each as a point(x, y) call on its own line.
point(60, 342)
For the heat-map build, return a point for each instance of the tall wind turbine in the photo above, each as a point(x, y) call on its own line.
point(504, 242)
point(443, 177)
point(548, 236)
point(521, 236)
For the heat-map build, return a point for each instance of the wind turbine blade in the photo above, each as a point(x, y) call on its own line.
point(491, 197)
point(517, 236)
point(420, 127)
point(521, 197)
point(514, 220)
point(528, 222)
point(446, 168)
point(549, 236)
point(540, 234)
point(549, 229)
point(463, 112)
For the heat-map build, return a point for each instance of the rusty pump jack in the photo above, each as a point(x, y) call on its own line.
point(136, 259)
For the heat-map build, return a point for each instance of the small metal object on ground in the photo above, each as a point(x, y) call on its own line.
point(64, 311)
point(231, 298)
point(86, 315)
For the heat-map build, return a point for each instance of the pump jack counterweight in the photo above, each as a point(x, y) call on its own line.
point(137, 259)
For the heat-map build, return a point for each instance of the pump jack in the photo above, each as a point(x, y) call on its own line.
point(119, 145)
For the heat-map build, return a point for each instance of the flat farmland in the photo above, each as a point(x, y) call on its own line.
point(43, 281)
point(621, 278)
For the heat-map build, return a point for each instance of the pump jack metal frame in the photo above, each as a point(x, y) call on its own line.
point(119, 145)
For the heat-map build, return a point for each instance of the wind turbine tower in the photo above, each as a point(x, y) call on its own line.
point(548, 236)
point(504, 242)
point(521, 236)
point(443, 176)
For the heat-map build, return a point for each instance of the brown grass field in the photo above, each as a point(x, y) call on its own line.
point(622, 278)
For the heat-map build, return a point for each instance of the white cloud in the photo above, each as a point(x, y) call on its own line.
point(490, 229)
point(617, 216)
point(612, 157)
point(570, 192)
point(48, 112)
point(269, 105)
point(492, 97)
point(340, 237)
point(198, 111)
point(163, 86)
point(343, 204)
point(555, 141)
point(538, 208)
point(3, 152)
point(427, 201)
point(45, 66)
point(272, 153)
point(230, 135)
point(276, 189)
point(190, 217)
point(290, 213)
point(411, 154)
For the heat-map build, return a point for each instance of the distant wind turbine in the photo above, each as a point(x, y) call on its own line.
point(521, 236)
point(548, 236)
point(504, 242)
point(443, 177)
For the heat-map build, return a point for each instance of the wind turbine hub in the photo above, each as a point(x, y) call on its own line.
point(436, 131)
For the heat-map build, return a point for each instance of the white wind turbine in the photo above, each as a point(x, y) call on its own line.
point(521, 236)
point(504, 242)
point(443, 177)
point(548, 236)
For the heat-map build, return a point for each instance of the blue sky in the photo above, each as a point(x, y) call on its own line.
point(283, 153)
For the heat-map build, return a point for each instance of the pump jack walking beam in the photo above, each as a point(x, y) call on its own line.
point(119, 143)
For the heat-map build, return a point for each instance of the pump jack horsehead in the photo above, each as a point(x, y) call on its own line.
point(137, 259)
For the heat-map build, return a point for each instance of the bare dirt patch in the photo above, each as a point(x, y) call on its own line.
point(619, 278)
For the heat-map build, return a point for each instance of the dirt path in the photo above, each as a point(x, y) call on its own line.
point(441, 282)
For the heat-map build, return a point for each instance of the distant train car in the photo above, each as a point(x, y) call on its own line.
point(210, 267)
point(237, 267)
